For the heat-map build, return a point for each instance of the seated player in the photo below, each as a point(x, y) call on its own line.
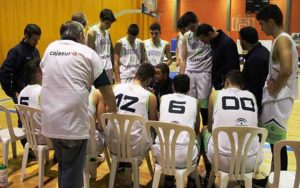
point(221, 113)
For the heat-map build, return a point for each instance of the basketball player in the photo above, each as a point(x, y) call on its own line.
point(98, 38)
point(30, 95)
point(196, 63)
point(230, 107)
point(156, 48)
point(134, 98)
point(129, 55)
point(182, 29)
point(281, 87)
point(80, 17)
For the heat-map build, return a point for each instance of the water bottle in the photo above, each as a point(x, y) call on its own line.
point(3, 176)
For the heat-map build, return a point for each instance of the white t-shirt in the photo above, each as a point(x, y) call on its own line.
point(199, 57)
point(234, 107)
point(179, 45)
point(179, 109)
point(130, 58)
point(30, 96)
point(102, 46)
point(155, 54)
point(69, 70)
point(133, 99)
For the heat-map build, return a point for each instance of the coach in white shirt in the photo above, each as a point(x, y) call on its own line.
point(69, 70)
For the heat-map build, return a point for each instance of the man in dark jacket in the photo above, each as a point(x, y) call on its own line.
point(256, 67)
point(12, 76)
point(225, 55)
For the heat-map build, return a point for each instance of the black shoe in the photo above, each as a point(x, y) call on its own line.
point(31, 156)
point(169, 182)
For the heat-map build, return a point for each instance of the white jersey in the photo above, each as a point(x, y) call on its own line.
point(133, 99)
point(69, 70)
point(130, 58)
point(155, 53)
point(103, 46)
point(179, 45)
point(30, 96)
point(179, 109)
point(234, 107)
point(199, 57)
point(290, 90)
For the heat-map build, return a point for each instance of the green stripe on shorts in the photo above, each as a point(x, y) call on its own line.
point(206, 136)
point(275, 131)
point(204, 103)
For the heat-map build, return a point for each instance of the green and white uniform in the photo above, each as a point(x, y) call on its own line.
point(182, 110)
point(276, 111)
point(155, 53)
point(130, 59)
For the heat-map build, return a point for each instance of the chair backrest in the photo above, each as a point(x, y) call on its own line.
point(167, 143)
point(295, 145)
point(117, 130)
point(8, 122)
point(239, 155)
point(27, 115)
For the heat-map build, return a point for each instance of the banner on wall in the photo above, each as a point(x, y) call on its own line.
point(240, 22)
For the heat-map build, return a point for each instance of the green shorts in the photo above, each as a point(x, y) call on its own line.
point(206, 135)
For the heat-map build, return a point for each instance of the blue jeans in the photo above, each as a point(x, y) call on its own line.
point(71, 156)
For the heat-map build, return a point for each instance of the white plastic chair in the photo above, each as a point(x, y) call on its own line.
point(121, 126)
point(237, 165)
point(167, 164)
point(285, 178)
point(27, 115)
point(9, 135)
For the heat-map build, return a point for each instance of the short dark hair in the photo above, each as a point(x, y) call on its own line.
point(164, 68)
point(155, 26)
point(249, 34)
point(145, 71)
point(32, 29)
point(204, 29)
point(181, 83)
point(133, 29)
point(31, 68)
point(107, 15)
point(71, 31)
point(235, 77)
point(270, 11)
point(180, 23)
point(189, 17)
point(80, 17)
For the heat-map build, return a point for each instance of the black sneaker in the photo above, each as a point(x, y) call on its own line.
point(169, 182)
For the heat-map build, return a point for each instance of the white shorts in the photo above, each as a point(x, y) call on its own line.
point(200, 86)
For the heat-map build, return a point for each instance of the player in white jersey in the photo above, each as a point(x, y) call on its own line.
point(230, 107)
point(156, 48)
point(134, 98)
point(281, 87)
point(182, 29)
point(30, 95)
point(129, 55)
point(181, 109)
point(98, 38)
point(196, 63)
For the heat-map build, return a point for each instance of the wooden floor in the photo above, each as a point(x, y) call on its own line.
point(31, 176)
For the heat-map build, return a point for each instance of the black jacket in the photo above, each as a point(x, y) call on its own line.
point(225, 58)
point(162, 89)
point(12, 75)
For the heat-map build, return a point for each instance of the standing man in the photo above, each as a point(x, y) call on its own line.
point(156, 48)
point(80, 17)
point(181, 26)
point(196, 63)
point(129, 55)
point(69, 70)
point(256, 66)
point(282, 83)
point(98, 38)
point(225, 55)
point(12, 76)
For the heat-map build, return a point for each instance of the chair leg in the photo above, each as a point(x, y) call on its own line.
point(179, 181)
point(14, 149)
point(223, 181)
point(135, 168)
point(86, 175)
point(156, 179)
point(211, 178)
point(41, 158)
point(107, 158)
point(149, 165)
point(5, 151)
point(24, 161)
point(248, 183)
point(196, 177)
point(113, 171)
